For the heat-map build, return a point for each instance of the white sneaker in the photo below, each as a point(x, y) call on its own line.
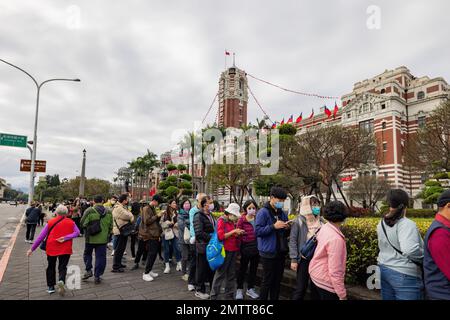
point(167, 269)
point(191, 287)
point(252, 293)
point(203, 296)
point(112, 253)
point(147, 277)
point(153, 274)
point(125, 253)
point(239, 294)
point(179, 266)
point(185, 277)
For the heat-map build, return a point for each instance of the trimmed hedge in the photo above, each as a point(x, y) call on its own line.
point(362, 245)
point(413, 213)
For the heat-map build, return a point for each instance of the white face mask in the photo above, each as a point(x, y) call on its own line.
point(211, 207)
point(251, 212)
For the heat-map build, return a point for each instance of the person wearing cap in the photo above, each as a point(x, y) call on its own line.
point(327, 266)
point(271, 230)
point(436, 261)
point(401, 251)
point(229, 234)
point(303, 228)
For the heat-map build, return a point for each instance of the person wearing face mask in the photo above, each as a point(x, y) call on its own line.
point(249, 251)
point(170, 236)
point(204, 225)
point(271, 230)
point(183, 226)
point(303, 228)
point(230, 236)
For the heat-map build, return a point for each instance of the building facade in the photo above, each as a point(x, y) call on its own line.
point(392, 105)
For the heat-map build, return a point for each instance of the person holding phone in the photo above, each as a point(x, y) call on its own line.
point(271, 229)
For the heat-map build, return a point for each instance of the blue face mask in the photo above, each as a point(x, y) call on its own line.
point(279, 205)
point(315, 211)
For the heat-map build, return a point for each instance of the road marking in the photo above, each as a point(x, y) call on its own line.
point(7, 254)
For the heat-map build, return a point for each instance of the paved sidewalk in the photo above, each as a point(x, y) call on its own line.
point(24, 278)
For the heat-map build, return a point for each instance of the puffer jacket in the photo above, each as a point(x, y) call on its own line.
point(121, 217)
point(204, 226)
point(149, 228)
point(33, 214)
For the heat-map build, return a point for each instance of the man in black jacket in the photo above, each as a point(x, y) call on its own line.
point(32, 217)
point(204, 225)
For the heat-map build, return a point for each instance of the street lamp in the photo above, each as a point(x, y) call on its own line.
point(33, 151)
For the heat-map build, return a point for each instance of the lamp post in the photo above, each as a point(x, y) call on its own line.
point(83, 174)
point(33, 151)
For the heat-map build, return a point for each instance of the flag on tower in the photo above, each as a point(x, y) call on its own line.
point(336, 109)
point(300, 118)
point(291, 118)
point(282, 122)
point(312, 114)
point(327, 111)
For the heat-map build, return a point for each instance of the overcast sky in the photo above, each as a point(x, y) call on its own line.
point(148, 68)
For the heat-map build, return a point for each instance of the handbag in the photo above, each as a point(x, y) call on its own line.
point(186, 235)
point(125, 230)
point(308, 249)
point(43, 245)
point(168, 234)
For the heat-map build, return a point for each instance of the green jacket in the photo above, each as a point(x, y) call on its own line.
point(106, 224)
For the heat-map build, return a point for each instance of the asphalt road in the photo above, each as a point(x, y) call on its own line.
point(9, 218)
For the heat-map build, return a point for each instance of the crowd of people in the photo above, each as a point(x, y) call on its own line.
point(411, 268)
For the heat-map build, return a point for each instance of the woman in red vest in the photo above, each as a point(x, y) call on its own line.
point(59, 233)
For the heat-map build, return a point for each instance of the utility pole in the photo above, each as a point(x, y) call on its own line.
point(83, 174)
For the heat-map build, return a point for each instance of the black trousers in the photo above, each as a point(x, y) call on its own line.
point(31, 229)
point(247, 260)
point(203, 273)
point(142, 251)
point(302, 280)
point(118, 252)
point(192, 265)
point(321, 294)
point(152, 253)
point(273, 269)
point(134, 239)
point(62, 268)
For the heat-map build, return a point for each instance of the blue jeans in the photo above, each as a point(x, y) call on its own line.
point(399, 286)
point(114, 241)
point(100, 258)
point(169, 245)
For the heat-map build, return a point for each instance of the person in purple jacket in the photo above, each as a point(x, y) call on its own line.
point(249, 251)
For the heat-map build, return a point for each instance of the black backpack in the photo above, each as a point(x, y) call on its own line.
point(94, 227)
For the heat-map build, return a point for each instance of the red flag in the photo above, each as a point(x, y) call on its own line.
point(327, 112)
point(274, 125)
point(335, 111)
point(282, 122)
point(291, 118)
point(312, 114)
point(152, 191)
point(300, 118)
point(227, 53)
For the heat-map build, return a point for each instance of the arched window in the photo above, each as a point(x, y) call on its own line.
point(383, 91)
point(420, 95)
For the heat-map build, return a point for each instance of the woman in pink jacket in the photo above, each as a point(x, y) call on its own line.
point(327, 267)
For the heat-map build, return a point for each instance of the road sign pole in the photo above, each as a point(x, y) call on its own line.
point(33, 153)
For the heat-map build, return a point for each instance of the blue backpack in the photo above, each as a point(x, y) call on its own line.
point(215, 252)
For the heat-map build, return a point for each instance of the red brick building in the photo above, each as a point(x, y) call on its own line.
point(392, 105)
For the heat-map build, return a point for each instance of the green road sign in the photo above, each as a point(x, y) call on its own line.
point(12, 140)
